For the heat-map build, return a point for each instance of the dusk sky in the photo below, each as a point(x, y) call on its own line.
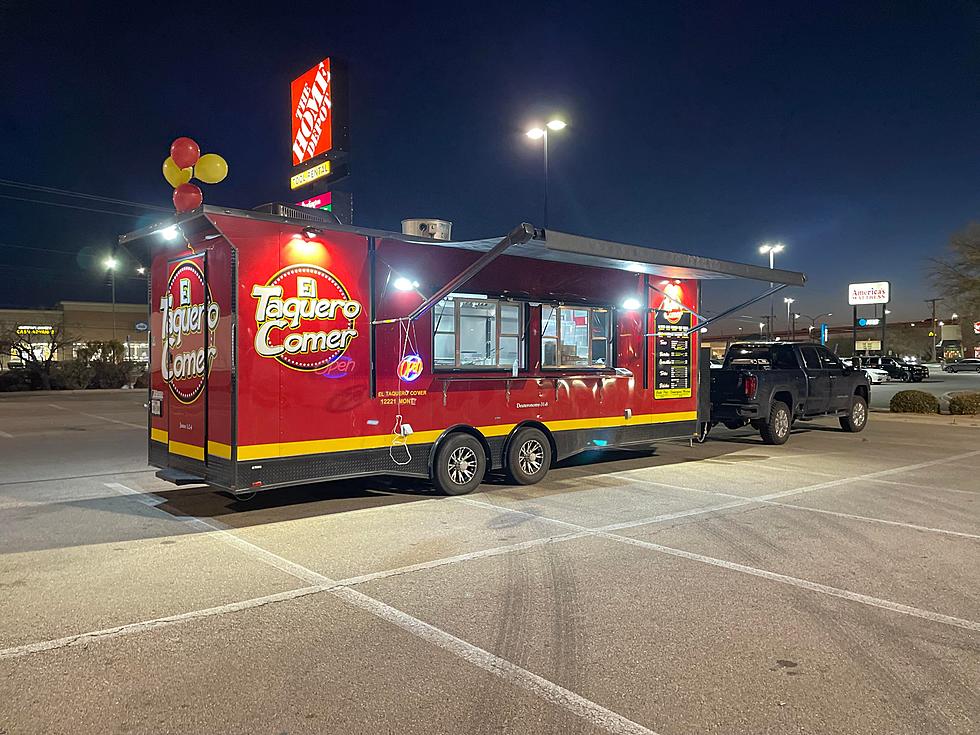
point(848, 131)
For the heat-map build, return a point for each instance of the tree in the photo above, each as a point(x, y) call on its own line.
point(957, 276)
point(36, 350)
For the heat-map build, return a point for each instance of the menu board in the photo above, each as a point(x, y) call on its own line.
point(673, 354)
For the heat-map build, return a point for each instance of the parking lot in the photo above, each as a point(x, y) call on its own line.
point(831, 585)
point(939, 383)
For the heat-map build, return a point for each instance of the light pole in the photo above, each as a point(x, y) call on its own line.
point(110, 264)
point(813, 322)
point(789, 317)
point(772, 248)
point(536, 133)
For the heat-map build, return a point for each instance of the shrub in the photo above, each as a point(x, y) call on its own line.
point(914, 401)
point(965, 403)
point(16, 379)
point(108, 375)
point(71, 375)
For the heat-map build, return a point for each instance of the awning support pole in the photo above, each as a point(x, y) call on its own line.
point(518, 236)
point(716, 317)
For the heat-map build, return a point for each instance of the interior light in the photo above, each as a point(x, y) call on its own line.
point(631, 304)
point(169, 233)
point(404, 284)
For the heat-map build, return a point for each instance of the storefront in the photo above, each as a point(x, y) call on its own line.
point(73, 324)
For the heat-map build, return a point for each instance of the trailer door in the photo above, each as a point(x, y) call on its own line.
point(188, 345)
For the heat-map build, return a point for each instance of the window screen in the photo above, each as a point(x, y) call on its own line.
point(472, 332)
point(575, 336)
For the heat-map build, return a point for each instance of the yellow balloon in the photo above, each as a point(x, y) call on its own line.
point(174, 174)
point(211, 168)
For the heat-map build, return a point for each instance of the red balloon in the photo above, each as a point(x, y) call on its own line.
point(187, 197)
point(185, 152)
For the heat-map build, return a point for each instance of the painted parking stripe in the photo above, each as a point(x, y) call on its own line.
point(926, 487)
point(605, 532)
point(568, 700)
point(5, 435)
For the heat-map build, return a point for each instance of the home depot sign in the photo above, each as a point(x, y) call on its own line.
point(312, 103)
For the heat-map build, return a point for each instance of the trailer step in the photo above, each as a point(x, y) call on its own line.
point(179, 477)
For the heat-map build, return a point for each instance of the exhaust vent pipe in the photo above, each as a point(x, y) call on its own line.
point(431, 229)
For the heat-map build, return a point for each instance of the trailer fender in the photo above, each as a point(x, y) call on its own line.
point(459, 428)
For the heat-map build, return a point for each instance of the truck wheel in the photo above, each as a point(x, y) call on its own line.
point(775, 430)
point(857, 416)
point(528, 457)
point(460, 465)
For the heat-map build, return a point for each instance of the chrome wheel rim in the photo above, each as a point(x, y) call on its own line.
point(858, 414)
point(530, 457)
point(462, 465)
point(782, 423)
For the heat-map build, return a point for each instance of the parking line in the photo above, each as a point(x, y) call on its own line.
point(82, 639)
point(603, 532)
point(762, 500)
point(927, 487)
point(586, 709)
point(5, 435)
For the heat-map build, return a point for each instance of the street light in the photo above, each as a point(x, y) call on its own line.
point(110, 264)
point(537, 134)
point(771, 248)
point(789, 319)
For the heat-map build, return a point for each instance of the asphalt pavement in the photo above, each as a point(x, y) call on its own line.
point(830, 585)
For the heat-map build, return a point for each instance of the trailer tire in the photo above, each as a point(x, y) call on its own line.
point(460, 464)
point(775, 430)
point(528, 457)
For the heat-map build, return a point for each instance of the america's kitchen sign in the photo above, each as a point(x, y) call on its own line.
point(188, 314)
point(305, 318)
point(860, 294)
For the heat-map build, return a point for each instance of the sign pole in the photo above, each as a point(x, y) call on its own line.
point(884, 319)
point(854, 331)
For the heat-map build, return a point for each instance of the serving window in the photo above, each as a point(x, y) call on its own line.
point(476, 332)
point(575, 337)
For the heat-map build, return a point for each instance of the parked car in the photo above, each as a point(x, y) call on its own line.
point(772, 384)
point(966, 364)
point(876, 376)
point(897, 369)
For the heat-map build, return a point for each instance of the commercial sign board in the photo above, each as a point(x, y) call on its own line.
point(318, 100)
point(311, 174)
point(860, 294)
point(35, 330)
point(337, 202)
point(869, 345)
point(976, 327)
point(868, 322)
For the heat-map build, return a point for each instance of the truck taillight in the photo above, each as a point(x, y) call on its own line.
point(750, 384)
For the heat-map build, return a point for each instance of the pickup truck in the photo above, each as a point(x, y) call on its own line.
point(771, 384)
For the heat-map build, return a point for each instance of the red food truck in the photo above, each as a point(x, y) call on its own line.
point(288, 349)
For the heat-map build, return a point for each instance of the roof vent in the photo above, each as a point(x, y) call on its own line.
point(432, 229)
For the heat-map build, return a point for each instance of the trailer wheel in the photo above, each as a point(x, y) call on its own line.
point(460, 465)
point(776, 429)
point(528, 457)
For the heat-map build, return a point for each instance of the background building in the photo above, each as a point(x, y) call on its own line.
point(81, 322)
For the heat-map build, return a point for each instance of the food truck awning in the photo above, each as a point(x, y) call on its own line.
point(566, 248)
